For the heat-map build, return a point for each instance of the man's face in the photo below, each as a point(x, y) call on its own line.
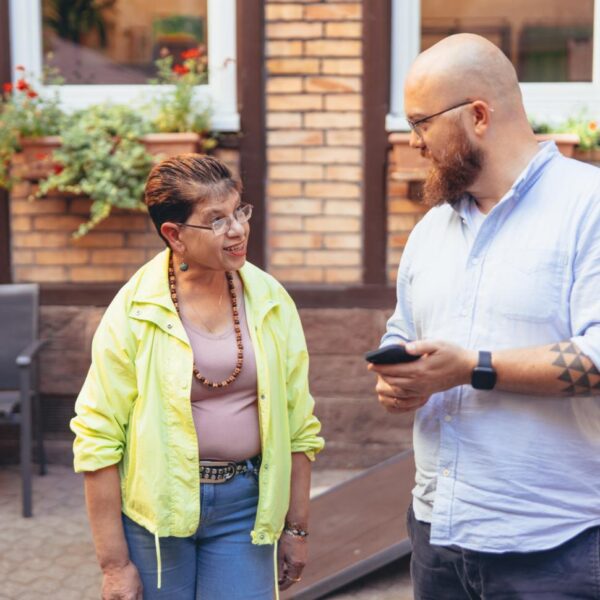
point(456, 160)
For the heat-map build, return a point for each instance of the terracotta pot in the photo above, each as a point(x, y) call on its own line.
point(590, 156)
point(566, 142)
point(35, 159)
point(170, 144)
point(34, 162)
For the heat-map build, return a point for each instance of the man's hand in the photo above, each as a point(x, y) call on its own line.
point(407, 386)
point(292, 553)
point(122, 583)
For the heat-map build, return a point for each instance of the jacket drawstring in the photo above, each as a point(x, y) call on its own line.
point(158, 561)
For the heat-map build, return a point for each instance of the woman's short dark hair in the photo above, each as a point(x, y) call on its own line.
point(177, 184)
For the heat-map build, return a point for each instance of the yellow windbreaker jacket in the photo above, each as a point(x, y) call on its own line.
point(134, 408)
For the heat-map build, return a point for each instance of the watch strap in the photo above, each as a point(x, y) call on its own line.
point(485, 359)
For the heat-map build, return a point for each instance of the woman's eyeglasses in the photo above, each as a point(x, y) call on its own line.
point(221, 226)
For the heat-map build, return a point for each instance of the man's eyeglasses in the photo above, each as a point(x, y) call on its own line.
point(221, 226)
point(414, 125)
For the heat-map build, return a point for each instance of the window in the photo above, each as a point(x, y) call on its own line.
point(554, 46)
point(106, 49)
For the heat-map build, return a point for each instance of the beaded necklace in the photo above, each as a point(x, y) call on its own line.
point(236, 326)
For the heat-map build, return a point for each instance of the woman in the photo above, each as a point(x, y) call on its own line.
point(195, 426)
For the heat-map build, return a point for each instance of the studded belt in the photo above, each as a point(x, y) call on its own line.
point(220, 471)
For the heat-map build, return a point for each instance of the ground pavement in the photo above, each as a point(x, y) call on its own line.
point(51, 555)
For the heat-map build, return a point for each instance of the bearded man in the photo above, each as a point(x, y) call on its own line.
point(499, 294)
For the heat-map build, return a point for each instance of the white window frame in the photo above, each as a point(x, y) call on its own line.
point(544, 102)
point(220, 92)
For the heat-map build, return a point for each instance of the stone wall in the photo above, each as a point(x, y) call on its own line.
point(314, 68)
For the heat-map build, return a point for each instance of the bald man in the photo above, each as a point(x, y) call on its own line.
point(499, 294)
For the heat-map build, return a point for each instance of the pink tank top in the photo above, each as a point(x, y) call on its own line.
point(226, 419)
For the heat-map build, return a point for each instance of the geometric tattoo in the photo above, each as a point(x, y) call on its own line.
point(579, 373)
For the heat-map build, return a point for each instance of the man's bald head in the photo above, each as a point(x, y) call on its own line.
point(464, 66)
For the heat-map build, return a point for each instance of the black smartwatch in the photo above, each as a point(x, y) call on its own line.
point(483, 376)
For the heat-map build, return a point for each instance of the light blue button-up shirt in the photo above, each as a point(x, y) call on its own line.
point(498, 471)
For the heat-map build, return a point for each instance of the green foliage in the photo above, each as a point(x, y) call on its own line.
point(581, 124)
point(102, 157)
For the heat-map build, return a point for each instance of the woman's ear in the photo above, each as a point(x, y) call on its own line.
point(172, 233)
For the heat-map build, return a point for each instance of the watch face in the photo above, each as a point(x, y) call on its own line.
point(483, 378)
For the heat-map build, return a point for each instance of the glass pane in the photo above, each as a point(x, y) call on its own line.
point(546, 40)
point(117, 41)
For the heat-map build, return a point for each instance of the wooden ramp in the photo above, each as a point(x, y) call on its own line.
point(357, 527)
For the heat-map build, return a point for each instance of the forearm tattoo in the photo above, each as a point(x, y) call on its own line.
point(577, 371)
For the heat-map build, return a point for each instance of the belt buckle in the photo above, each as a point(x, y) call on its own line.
point(223, 472)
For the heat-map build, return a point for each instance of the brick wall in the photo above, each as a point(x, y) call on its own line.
point(314, 69)
point(43, 249)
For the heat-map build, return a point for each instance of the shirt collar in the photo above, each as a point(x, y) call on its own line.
point(530, 174)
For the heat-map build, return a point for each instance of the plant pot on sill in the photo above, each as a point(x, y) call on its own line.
point(35, 162)
point(565, 142)
point(592, 155)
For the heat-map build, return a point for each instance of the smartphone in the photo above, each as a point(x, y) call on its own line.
point(390, 355)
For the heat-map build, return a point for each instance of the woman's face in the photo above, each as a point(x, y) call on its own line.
point(204, 249)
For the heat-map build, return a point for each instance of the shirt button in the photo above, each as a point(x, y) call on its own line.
point(138, 312)
point(190, 456)
point(262, 396)
point(447, 418)
point(169, 326)
point(266, 467)
point(262, 536)
point(445, 472)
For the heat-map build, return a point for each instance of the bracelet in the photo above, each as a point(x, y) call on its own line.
point(295, 530)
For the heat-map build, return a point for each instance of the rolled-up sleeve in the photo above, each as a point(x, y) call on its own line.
point(585, 292)
point(304, 425)
point(104, 404)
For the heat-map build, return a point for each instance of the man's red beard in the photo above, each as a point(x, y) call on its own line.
point(450, 176)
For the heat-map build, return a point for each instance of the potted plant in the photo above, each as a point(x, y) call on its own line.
point(29, 124)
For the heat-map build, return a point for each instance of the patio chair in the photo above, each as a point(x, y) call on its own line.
point(19, 347)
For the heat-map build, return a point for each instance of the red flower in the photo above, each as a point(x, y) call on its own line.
point(58, 169)
point(22, 85)
point(192, 53)
point(19, 68)
point(7, 87)
point(31, 94)
point(180, 69)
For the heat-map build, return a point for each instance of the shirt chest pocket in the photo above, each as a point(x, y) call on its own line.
point(527, 285)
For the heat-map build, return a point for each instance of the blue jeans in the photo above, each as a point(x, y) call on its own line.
point(219, 560)
point(571, 570)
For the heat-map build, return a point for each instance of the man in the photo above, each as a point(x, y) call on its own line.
point(499, 292)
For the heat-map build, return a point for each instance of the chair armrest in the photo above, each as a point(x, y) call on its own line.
point(24, 359)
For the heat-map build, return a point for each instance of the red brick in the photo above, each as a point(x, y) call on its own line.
point(287, 258)
point(333, 120)
point(294, 138)
point(20, 224)
point(298, 172)
point(287, 85)
point(343, 102)
point(298, 206)
point(341, 66)
point(292, 102)
point(57, 222)
point(40, 274)
point(320, 258)
point(348, 208)
point(66, 256)
point(344, 137)
point(343, 30)
point(332, 84)
point(330, 12)
point(348, 241)
point(41, 240)
point(327, 155)
point(297, 274)
point(43, 206)
point(283, 190)
point(284, 48)
point(343, 173)
point(332, 190)
point(332, 224)
point(285, 155)
point(295, 240)
point(118, 257)
point(401, 222)
point(288, 223)
point(292, 66)
point(284, 120)
point(293, 30)
point(116, 274)
point(343, 275)
point(128, 220)
point(98, 239)
point(330, 48)
point(22, 257)
point(283, 12)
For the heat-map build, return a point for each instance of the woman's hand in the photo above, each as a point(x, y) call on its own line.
point(292, 553)
point(122, 583)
